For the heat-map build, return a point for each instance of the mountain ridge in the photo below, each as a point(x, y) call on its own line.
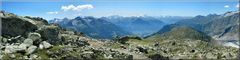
point(175, 31)
point(214, 25)
point(93, 27)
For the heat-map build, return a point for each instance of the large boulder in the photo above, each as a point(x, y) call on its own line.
point(26, 43)
point(36, 37)
point(13, 25)
point(50, 33)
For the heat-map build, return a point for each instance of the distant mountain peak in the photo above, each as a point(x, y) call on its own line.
point(230, 13)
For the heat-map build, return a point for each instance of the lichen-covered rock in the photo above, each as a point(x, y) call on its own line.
point(28, 42)
point(210, 56)
point(34, 36)
point(33, 56)
point(74, 40)
point(50, 34)
point(24, 46)
point(31, 49)
point(3, 40)
point(16, 39)
point(13, 49)
point(13, 25)
point(39, 22)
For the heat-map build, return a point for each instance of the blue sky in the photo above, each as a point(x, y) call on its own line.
point(50, 9)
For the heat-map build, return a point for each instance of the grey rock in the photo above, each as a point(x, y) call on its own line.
point(12, 56)
point(14, 26)
point(4, 40)
point(25, 57)
point(227, 55)
point(210, 56)
point(109, 56)
point(14, 39)
point(1, 56)
point(50, 34)
point(1, 47)
point(13, 49)
point(31, 49)
point(34, 36)
point(24, 46)
point(28, 42)
point(45, 45)
point(33, 56)
point(41, 46)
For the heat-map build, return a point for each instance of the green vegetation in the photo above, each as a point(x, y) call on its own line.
point(6, 57)
point(42, 54)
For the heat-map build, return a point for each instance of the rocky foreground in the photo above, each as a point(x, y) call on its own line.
point(34, 38)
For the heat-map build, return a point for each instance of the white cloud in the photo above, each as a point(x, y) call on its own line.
point(226, 6)
point(55, 12)
point(237, 5)
point(77, 8)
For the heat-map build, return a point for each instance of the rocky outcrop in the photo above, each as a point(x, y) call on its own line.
point(13, 25)
point(50, 33)
point(32, 38)
point(39, 22)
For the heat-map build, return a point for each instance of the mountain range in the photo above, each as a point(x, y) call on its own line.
point(111, 26)
point(139, 26)
point(220, 27)
point(93, 27)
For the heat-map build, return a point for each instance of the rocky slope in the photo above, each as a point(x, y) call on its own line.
point(34, 38)
point(157, 47)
